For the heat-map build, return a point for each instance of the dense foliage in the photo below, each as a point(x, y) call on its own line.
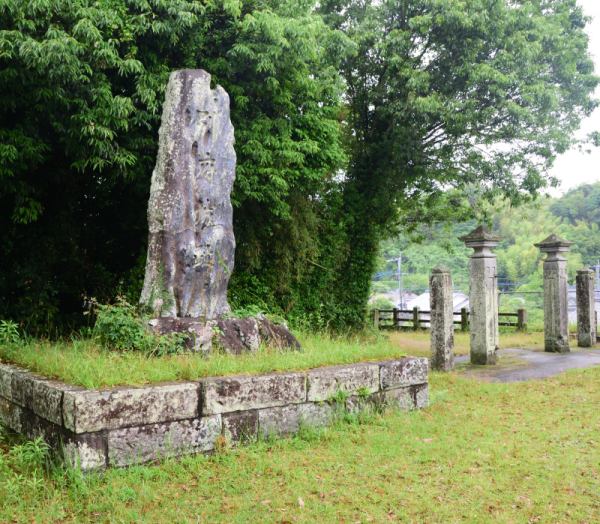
point(351, 118)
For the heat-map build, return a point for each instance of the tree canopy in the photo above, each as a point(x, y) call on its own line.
point(353, 117)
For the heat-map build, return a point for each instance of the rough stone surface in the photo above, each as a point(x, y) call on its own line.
point(86, 452)
point(586, 311)
point(276, 335)
point(223, 395)
point(403, 372)
point(556, 314)
point(483, 296)
point(10, 415)
point(358, 403)
point(233, 336)
point(238, 335)
point(442, 320)
point(141, 444)
point(421, 394)
point(400, 398)
point(6, 373)
point(125, 426)
point(34, 426)
point(286, 420)
point(241, 426)
point(199, 333)
point(43, 397)
point(89, 411)
point(191, 243)
point(323, 384)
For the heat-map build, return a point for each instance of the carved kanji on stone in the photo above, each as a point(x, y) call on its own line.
point(191, 243)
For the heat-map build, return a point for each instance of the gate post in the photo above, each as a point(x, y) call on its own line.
point(483, 296)
point(556, 312)
point(441, 320)
point(586, 308)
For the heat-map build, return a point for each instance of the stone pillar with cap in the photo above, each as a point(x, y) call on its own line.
point(483, 296)
point(556, 314)
point(586, 308)
point(442, 320)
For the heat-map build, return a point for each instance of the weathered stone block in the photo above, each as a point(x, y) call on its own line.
point(42, 396)
point(241, 426)
point(86, 452)
point(90, 411)
point(288, 419)
point(154, 441)
point(421, 394)
point(372, 403)
point(10, 415)
point(404, 372)
point(223, 395)
point(34, 426)
point(324, 383)
point(400, 398)
point(6, 373)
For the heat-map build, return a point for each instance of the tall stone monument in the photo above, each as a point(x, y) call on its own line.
point(190, 219)
point(191, 244)
point(483, 296)
point(556, 313)
point(442, 320)
point(586, 308)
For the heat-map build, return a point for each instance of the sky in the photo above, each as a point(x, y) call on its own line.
point(575, 168)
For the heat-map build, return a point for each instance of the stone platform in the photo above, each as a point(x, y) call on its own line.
point(94, 429)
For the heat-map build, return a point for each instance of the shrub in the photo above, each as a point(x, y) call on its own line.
point(9, 332)
point(120, 327)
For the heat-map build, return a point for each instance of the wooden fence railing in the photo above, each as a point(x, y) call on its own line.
point(419, 319)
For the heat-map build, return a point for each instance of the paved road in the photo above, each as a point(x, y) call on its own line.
point(516, 365)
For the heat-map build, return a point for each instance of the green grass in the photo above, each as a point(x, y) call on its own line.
point(523, 452)
point(418, 343)
point(85, 363)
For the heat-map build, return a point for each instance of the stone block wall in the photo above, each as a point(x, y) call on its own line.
point(93, 429)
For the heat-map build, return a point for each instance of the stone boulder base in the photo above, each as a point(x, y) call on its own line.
point(231, 335)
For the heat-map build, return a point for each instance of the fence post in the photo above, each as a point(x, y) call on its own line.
point(416, 318)
point(521, 320)
point(464, 319)
point(376, 318)
point(395, 321)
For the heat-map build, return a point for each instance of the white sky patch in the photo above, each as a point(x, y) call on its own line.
point(575, 167)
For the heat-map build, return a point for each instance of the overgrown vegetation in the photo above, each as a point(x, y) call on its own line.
point(523, 452)
point(121, 327)
point(345, 112)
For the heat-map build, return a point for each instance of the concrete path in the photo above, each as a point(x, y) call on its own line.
point(516, 365)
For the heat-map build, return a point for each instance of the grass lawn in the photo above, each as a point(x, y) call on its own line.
point(417, 343)
point(85, 363)
point(522, 452)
